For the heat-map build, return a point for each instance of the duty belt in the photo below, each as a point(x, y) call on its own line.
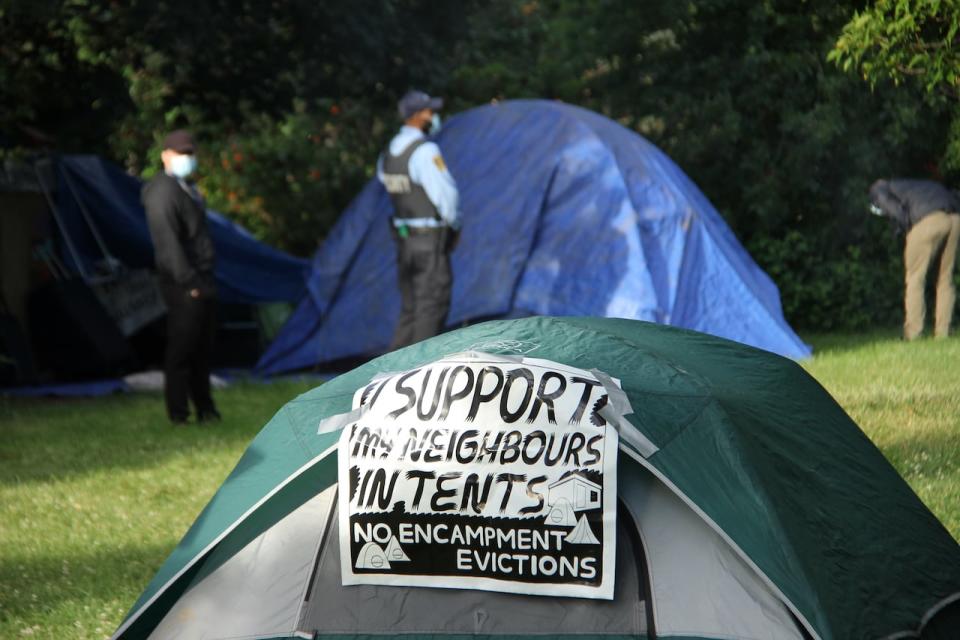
point(405, 230)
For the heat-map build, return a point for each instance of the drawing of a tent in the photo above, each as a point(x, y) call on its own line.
point(371, 556)
point(561, 514)
point(582, 533)
point(395, 552)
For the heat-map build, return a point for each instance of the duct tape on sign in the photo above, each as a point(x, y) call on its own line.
point(479, 471)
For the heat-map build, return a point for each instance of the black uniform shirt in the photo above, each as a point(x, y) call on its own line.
point(178, 226)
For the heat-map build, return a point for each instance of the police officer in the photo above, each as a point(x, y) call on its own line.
point(426, 219)
point(927, 212)
point(184, 257)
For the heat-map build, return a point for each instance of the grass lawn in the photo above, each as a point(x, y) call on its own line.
point(95, 493)
point(906, 398)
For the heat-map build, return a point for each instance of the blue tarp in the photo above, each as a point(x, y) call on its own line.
point(109, 386)
point(89, 389)
point(247, 271)
point(565, 212)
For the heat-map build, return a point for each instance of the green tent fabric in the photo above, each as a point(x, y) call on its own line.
point(754, 446)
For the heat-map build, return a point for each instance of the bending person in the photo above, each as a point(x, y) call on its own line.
point(927, 212)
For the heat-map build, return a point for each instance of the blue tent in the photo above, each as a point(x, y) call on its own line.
point(565, 212)
point(247, 271)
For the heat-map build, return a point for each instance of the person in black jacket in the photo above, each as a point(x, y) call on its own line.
point(184, 257)
point(928, 213)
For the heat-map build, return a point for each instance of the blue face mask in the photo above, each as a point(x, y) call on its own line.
point(183, 165)
point(434, 125)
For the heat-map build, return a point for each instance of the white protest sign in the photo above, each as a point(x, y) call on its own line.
point(478, 471)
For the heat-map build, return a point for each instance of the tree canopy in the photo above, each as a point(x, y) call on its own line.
point(904, 40)
point(763, 103)
point(913, 44)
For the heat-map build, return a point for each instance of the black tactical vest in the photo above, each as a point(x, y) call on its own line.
point(409, 199)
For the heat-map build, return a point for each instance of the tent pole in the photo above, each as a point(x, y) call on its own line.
point(111, 261)
point(56, 216)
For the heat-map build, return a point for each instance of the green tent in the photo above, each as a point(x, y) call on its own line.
point(749, 505)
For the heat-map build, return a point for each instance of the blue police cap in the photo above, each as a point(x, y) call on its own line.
point(415, 101)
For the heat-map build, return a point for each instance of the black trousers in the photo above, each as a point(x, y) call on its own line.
point(423, 270)
point(191, 328)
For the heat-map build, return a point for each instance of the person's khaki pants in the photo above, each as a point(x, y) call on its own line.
point(924, 241)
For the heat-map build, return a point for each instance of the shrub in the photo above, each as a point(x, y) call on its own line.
point(288, 179)
point(853, 287)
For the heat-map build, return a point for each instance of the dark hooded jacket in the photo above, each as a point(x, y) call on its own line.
point(906, 202)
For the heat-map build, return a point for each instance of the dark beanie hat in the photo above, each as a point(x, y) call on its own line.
point(180, 141)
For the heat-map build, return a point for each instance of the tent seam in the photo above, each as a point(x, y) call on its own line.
point(771, 507)
point(706, 401)
point(296, 436)
point(536, 235)
point(926, 618)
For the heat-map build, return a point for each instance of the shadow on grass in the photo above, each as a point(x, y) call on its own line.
point(42, 440)
point(836, 343)
point(931, 466)
point(32, 587)
point(927, 452)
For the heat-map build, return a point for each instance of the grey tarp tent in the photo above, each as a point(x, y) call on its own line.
point(756, 509)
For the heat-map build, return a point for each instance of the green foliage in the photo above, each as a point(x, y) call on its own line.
point(495, 62)
point(913, 43)
point(287, 180)
point(847, 291)
point(127, 72)
point(293, 99)
point(904, 40)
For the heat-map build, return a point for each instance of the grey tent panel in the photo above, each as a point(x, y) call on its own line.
point(369, 609)
point(257, 593)
point(701, 588)
point(288, 579)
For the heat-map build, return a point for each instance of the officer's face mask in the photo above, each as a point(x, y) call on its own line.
point(875, 210)
point(182, 165)
point(432, 128)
